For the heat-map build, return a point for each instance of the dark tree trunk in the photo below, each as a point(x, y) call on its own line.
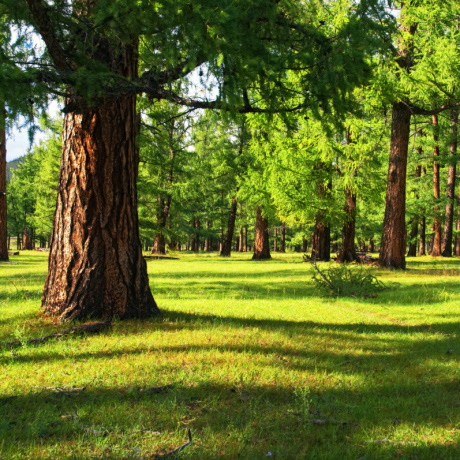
point(436, 248)
point(348, 251)
point(208, 240)
point(245, 239)
point(3, 221)
point(371, 244)
point(227, 242)
point(321, 241)
point(196, 237)
point(275, 239)
point(159, 242)
point(27, 239)
point(96, 268)
point(412, 251)
point(304, 247)
point(457, 238)
point(261, 243)
point(451, 176)
point(393, 246)
point(283, 238)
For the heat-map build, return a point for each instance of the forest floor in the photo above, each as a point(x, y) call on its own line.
point(249, 356)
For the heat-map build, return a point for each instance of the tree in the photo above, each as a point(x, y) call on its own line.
point(92, 59)
point(3, 207)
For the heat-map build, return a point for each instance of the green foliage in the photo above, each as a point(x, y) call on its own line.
point(346, 280)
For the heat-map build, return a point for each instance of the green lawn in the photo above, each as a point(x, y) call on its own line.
point(259, 362)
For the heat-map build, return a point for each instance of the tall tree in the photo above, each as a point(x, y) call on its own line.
point(3, 207)
point(92, 55)
point(451, 179)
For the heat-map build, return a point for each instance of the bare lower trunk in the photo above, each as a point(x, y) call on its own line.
point(436, 249)
point(283, 238)
point(227, 243)
point(412, 251)
point(348, 251)
point(241, 240)
point(275, 239)
point(393, 246)
point(3, 221)
point(27, 240)
point(457, 238)
point(261, 243)
point(96, 268)
point(321, 241)
point(451, 176)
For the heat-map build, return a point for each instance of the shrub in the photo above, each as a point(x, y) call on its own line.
point(347, 280)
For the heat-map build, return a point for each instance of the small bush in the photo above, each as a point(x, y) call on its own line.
point(347, 280)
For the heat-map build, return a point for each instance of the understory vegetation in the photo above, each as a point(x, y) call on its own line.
point(250, 356)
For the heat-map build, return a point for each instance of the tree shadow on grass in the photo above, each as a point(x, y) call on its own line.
point(230, 420)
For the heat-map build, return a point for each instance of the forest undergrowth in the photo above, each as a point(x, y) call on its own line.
point(251, 357)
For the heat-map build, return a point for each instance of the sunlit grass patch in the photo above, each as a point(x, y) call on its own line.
point(249, 356)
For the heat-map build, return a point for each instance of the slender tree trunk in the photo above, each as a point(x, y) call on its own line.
point(196, 237)
point(96, 268)
point(241, 240)
point(371, 244)
point(227, 243)
point(436, 249)
point(275, 239)
point(451, 176)
point(159, 243)
point(412, 251)
point(304, 247)
point(283, 238)
point(261, 243)
point(321, 242)
point(245, 239)
point(348, 251)
point(457, 238)
point(393, 246)
point(3, 207)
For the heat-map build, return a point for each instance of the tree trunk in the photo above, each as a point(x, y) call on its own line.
point(261, 243)
point(227, 243)
point(412, 251)
point(3, 221)
point(304, 247)
point(275, 239)
point(348, 250)
point(283, 238)
point(27, 239)
point(393, 246)
point(159, 242)
point(451, 176)
point(96, 268)
point(241, 240)
point(436, 249)
point(321, 242)
point(457, 238)
point(371, 244)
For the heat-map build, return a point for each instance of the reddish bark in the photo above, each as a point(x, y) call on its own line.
point(261, 242)
point(393, 246)
point(96, 267)
point(321, 241)
point(451, 176)
point(283, 238)
point(436, 249)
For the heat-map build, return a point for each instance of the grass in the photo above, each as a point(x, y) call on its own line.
point(261, 365)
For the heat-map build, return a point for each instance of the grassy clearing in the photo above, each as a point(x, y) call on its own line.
point(261, 365)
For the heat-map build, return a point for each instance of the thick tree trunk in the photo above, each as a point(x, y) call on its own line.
point(96, 268)
point(227, 243)
point(348, 251)
point(261, 243)
point(436, 248)
point(451, 176)
point(27, 239)
point(3, 221)
point(393, 246)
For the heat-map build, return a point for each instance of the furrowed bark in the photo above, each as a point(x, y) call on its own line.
point(261, 242)
point(96, 267)
point(393, 246)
